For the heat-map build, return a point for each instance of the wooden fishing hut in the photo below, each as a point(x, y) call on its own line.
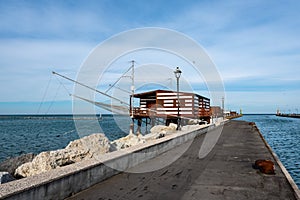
point(158, 105)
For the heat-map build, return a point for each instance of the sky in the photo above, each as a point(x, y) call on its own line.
point(254, 45)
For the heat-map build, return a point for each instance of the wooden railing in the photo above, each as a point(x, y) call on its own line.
point(141, 112)
point(145, 112)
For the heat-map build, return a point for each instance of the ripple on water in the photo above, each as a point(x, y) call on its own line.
point(23, 134)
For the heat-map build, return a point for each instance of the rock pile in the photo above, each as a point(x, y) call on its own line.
point(76, 151)
point(89, 147)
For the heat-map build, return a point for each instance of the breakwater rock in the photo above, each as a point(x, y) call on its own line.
point(132, 139)
point(128, 141)
point(90, 147)
point(11, 164)
point(161, 129)
point(5, 177)
point(77, 150)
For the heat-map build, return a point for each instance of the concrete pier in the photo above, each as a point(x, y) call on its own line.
point(288, 115)
point(225, 173)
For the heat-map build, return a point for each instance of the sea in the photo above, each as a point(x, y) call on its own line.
point(21, 134)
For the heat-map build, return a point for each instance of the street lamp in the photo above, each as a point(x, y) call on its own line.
point(177, 73)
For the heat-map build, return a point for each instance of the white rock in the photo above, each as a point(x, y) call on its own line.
point(157, 129)
point(164, 129)
point(151, 136)
point(191, 127)
point(128, 141)
point(89, 145)
point(77, 150)
point(172, 127)
point(193, 121)
point(160, 131)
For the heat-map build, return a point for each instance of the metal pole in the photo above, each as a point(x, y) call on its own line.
point(178, 104)
point(223, 108)
point(132, 96)
point(132, 88)
point(177, 73)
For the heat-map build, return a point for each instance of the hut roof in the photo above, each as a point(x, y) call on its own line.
point(152, 94)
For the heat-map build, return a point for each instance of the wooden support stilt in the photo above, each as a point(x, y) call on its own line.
point(138, 131)
point(152, 121)
point(131, 129)
point(146, 132)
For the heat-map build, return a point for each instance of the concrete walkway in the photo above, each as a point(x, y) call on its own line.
point(226, 173)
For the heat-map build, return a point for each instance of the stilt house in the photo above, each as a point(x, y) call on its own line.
point(163, 104)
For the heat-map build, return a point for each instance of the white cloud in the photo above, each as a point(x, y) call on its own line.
point(54, 20)
point(248, 41)
point(26, 66)
point(246, 38)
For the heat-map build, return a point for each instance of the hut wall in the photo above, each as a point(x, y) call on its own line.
point(168, 105)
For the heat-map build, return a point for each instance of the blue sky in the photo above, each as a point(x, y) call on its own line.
point(254, 44)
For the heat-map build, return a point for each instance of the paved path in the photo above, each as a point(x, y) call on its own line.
point(226, 173)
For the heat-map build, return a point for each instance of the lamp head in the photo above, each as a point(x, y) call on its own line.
point(177, 72)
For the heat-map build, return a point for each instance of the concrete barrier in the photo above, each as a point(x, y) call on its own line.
point(65, 181)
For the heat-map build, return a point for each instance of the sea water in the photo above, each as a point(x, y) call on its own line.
point(283, 135)
point(20, 134)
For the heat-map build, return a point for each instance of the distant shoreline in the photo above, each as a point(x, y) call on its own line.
point(68, 115)
point(288, 115)
point(54, 116)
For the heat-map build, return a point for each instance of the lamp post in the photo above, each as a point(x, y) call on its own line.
point(177, 73)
